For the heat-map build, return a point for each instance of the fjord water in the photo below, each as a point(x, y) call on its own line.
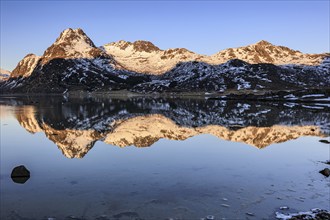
point(156, 158)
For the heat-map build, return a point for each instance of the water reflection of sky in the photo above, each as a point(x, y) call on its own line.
point(191, 178)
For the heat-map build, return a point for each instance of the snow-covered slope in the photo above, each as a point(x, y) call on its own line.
point(144, 57)
point(236, 75)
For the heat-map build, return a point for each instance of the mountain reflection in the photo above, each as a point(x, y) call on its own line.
point(74, 124)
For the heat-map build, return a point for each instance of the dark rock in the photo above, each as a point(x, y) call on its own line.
point(325, 172)
point(324, 141)
point(20, 174)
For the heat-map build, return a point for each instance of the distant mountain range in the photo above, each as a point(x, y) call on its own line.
point(74, 63)
point(144, 57)
point(4, 75)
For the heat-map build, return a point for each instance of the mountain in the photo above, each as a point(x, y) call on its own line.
point(236, 75)
point(76, 124)
point(265, 52)
point(74, 63)
point(4, 75)
point(73, 44)
point(144, 57)
point(26, 66)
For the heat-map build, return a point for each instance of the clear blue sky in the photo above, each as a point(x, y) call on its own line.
point(203, 27)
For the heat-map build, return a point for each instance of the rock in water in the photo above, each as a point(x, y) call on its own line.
point(20, 174)
point(324, 141)
point(325, 172)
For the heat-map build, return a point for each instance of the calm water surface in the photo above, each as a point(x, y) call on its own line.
point(144, 158)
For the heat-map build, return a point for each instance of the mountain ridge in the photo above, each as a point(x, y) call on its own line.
point(144, 57)
point(73, 62)
point(158, 61)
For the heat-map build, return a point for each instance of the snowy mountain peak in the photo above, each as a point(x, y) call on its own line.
point(72, 43)
point(264, 43)
point(74, 36)
point(144, 46)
